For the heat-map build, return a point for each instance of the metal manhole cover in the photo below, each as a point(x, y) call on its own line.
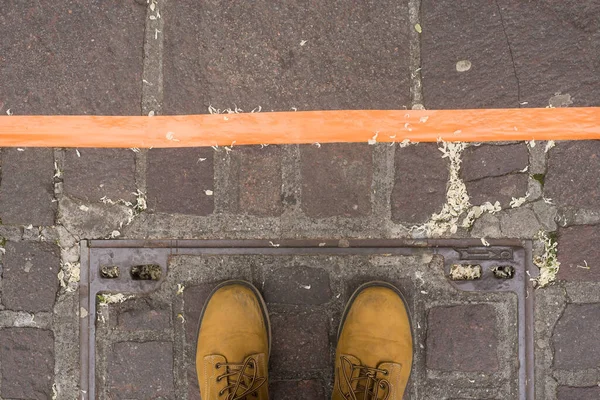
point(305, 283)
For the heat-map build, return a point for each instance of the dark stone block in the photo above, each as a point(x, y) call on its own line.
point(100, 172)
point(497, 188)
point(27, 363)
point(578, 393)
point(297, 390)
point(310, 55)
point(462, 338)
point(178, 180)
point(493, 160)
point(297, 285)
point(29, 280)
point(72, 57)
point(576, 337)
point(558, 54)
point(27, 189)
point(577, 246)
point(141, 371)
point(573, 177)
point(420, 183)
point(336, 180)
point(456, 31)
point(257, 172)
point(141, 314)
point(300, 342)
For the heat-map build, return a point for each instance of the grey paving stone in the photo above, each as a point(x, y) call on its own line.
point(519, 222)
point(297, 390)
point(257, 172)
point(577, 246)
point(576, 337)
point(29, 279)
point(27, 188)
point(81, 58)
point(462, 338)
point(578, 393)
point(141, 370)
point(338, 67)
point(573, 177)
point(97, 173)
point(336, 179)
point(476, 33)
point(297, 285)
point(497, 188)
point(300, 342)
point(421, 176)
point(177, 181)
point(141, 314)
point(555, 47)
point(27, 363)
point(493, 160)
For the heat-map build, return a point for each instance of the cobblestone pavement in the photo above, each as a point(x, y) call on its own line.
point(131, 57)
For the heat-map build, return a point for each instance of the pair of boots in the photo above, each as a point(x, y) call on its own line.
point(372, 361)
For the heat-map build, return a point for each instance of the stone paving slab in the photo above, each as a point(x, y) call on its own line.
point(305, 56)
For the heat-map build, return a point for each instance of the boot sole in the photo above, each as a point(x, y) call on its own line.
point(263, 307)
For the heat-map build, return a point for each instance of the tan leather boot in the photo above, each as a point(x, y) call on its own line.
point(374, 353)
point(234, 343)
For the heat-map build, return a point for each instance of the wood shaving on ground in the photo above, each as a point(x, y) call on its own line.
point(373, 140)
point(111, 298)
point(208, 192)
point(69, 273)
point(180, 289)
point(549, 145)
point(485, 242)
point(531, 143)
point(465, 272)
point(518, 202)
point(548, 200)
point(547, 262)
point(57, 171)
point(457, 199)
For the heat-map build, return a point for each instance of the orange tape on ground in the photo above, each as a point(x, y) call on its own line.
point(301, 127)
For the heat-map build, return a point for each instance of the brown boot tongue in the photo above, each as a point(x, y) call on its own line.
point(363, 382)
point(242, 379)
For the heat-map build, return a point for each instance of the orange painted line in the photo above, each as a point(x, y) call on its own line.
point(301, 127)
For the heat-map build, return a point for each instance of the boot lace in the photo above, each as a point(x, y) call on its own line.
point(371, 388)
point(242, 380)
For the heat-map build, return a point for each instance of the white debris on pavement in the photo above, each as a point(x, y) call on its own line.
point(547, 262)
point(518, 202)
point(111, 298)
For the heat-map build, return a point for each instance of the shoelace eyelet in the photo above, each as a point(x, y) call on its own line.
point(218, 365)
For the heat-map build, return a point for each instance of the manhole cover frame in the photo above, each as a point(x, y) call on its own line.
point(465, 251)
